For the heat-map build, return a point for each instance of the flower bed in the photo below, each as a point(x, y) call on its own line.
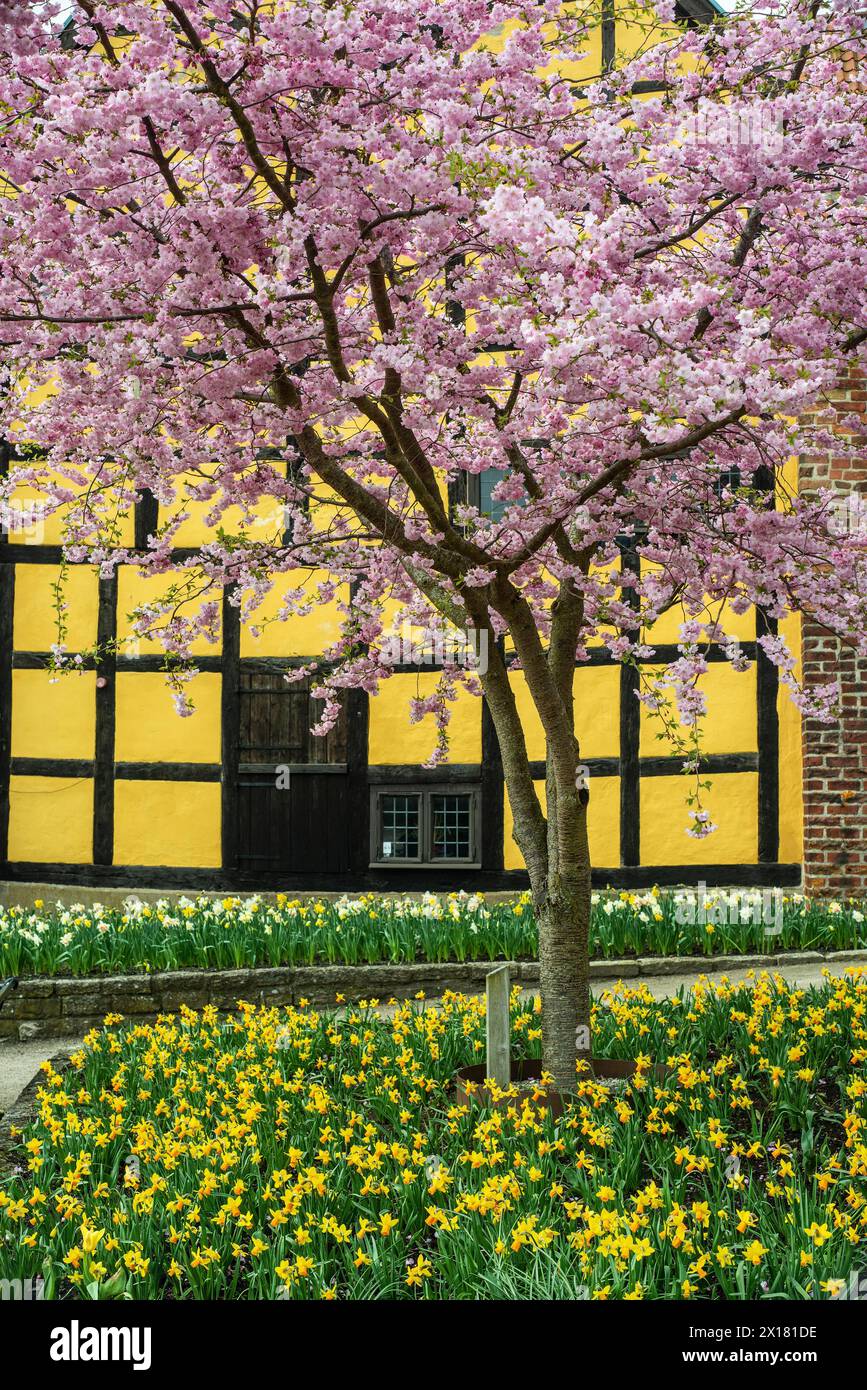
point(240, 933)
point(301, 1155)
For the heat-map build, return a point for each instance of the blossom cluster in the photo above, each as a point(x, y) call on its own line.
point(344, 258)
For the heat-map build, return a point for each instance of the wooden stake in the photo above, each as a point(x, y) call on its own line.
point(498, 1060)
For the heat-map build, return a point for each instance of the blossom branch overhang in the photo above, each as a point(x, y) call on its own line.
point(605, 260)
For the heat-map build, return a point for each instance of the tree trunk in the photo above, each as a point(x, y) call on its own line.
point(563, 915)
point(555, 846)
point(564, 925)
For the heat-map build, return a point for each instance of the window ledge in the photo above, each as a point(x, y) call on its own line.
point(424, 864)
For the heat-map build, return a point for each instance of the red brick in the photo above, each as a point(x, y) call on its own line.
point(834, 763)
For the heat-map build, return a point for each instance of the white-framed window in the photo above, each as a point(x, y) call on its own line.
point(436, 826)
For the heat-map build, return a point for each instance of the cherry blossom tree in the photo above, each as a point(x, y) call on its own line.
point(395, 246)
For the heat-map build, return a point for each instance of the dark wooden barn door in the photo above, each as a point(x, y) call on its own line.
point(292, 786)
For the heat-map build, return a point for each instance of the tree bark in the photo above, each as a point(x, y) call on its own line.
point(555, 846)
point(563, 914)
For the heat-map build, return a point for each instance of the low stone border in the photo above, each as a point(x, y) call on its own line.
point(54, 1008)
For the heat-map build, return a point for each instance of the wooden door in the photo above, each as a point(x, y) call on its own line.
point(292, 785)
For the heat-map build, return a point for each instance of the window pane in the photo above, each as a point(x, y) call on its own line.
point(451, 826)
point(399, 827)
point(488, 480)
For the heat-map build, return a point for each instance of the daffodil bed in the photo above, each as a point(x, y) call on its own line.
point(292, 1154)
point(239, 933)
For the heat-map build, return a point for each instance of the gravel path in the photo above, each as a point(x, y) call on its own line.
point(19, 1061)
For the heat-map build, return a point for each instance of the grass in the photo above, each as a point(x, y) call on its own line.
point(237, 933)
point(292, 1154)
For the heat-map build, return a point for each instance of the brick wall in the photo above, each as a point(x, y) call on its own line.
point(835, 755)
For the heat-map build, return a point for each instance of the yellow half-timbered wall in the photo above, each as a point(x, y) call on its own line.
point(104, 773)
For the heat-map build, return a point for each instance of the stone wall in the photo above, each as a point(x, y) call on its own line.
point(56, 1008)
point(65, 1008)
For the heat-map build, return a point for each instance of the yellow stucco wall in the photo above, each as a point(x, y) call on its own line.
point(135, 588)
point(729, 725)
point(50, 529)
point(50, 820)
point(175, 823)
point(53, 716)
point(178, 823)
point(300, 634)
point(597, 712)
point(392, 739)
point(732, 801)
point(148, 730)
point(667, 627)
point(791, 760)
point(603, 824)
point(35, 621)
